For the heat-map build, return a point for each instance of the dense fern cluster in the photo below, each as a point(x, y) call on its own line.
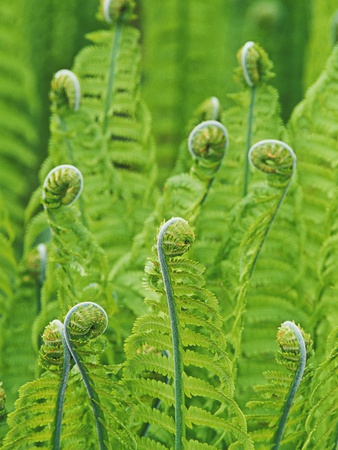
point(147, 267)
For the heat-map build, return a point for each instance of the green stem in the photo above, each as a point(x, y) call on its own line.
point(178, 365)
point(248, 139)
point(62, 388)
point(294, 387)
point(92, 394)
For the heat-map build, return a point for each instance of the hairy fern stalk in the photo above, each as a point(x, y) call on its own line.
point(176, 224)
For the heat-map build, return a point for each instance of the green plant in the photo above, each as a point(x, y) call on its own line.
point(111, 341)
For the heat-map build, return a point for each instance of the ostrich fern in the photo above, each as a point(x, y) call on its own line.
point(115, 337)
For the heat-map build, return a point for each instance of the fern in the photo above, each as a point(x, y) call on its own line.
point(198, 343)
point(320, 424)
point(48, 413)
point(183, 194)
point(18, 115)
point(280, 397)
point(109, 76)
point(313, 133)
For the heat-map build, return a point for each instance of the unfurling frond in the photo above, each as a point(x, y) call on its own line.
point(177, 365)
point(282, 399)
point(66, 90)
point(255, 64)
point(62, 186)
point(55, 409)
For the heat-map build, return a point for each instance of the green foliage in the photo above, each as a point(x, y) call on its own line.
point(178, 350)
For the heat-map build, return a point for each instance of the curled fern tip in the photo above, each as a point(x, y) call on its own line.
point(254, 63)
point(62, 186)
point(175, 237)
point(66, 90)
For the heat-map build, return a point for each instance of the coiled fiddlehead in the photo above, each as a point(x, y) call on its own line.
point(255, 67)
point(207, 144)
point(288, 350)
point(276, 158)
point(112, 10)
point(66, 90)
point(168, 245)
point(54, 356)
point(85, 321)
point(255, 64)
point(278, 161)
point(62, 186)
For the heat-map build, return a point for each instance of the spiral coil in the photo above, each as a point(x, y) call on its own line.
point(62, 186)
point(255, 64)
point(66, 90)
point(292, 341)
point(112, 10)
point(274, 157)
point(207, 143)
point(85, 321)
point(175, 237)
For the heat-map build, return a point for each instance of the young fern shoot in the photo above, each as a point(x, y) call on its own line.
point(54, 354)
point(62, 186)
point(274, 158)
point(255, 68)
point(83, 322)
point(207, 144)
point(169, 245)
point(283, 339)
point(278, 161)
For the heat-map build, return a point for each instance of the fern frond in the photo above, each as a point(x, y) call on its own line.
point(313, 131)
point(280, 396)
point(183, 195)
point(109, 76)
point(54, 406)
point(205, 369)
point(321, 424)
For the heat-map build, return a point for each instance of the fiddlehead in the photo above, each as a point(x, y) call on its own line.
point(183, 323)
point(170, 244)
point(54, 356)
point(289, 353)
point(274, 157)
point(83, 322)
point(207, 144)
point(255, 67)
point(112, 10)
point(278, 398)
point(62, 186)
point(278, 161)
point(66, 90)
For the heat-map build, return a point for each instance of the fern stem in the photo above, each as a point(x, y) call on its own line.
point(178, 365)
point(294, 387)
point(248, 139)
point(62, 389)
point(92, 394)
